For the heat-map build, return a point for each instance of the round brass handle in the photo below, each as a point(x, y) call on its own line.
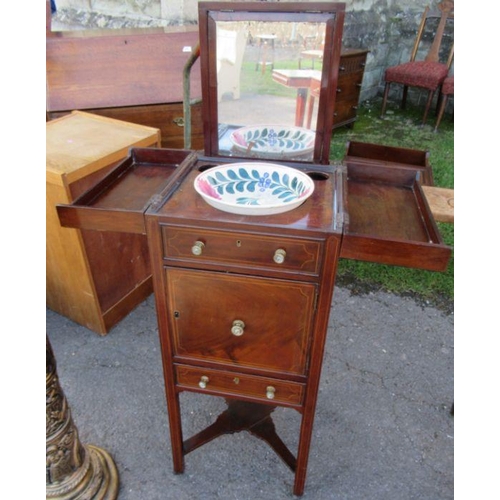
point(179, 121)
point(238, 328)
point(279, 256)
point(270, 390)
point(203, 382)
point(197, 248)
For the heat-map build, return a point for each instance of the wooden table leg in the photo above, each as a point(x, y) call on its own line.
point(301, 107)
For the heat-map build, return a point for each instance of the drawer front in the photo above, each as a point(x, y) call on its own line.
point(242, 249)
point(345, 110)
point(349, 87)
point(239, 385)
point(256, 323)
point(352, 64)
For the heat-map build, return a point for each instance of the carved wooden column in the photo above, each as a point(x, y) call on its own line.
point(73, 471)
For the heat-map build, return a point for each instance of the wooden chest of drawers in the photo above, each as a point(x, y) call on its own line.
point(93, 278)
point(350, 79)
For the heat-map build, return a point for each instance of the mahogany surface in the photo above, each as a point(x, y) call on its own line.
point(114, 68)
point(390, 220)
point(277, 351)
point(378, 155)
point(284, 334)
point(134, 75)
point(119, 200)
point(209, 12)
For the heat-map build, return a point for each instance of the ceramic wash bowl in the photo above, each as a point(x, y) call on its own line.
point(274, 141)
point(254, 188)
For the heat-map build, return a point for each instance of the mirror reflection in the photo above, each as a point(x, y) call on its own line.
point(268, 82)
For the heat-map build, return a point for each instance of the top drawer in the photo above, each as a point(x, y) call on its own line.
point(242, 249)
point(352, 61)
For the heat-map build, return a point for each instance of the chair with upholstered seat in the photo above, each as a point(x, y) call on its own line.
point(429, 73)
point(446, 90)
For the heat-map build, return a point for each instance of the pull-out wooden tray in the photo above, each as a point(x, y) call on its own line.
point(386, 215)
point(389, 220)
point(119, 201)
point(364, 153)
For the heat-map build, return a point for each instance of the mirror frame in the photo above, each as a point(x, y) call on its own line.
point(332, 13)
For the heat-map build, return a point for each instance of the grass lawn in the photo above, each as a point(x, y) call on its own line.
point(398, 128)
point(403, 129)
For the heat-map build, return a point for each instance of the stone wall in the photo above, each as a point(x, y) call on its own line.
point(386, 27)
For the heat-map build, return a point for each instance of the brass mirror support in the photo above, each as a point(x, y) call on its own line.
point(73, 471)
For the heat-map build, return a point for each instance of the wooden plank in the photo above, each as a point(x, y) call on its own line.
point(441, 202)
point(75, 146)
point(115, 68)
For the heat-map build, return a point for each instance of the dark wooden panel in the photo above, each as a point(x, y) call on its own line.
point(112, 69)
point(118, 262)
point(240, 385)
point(242, 249)
point(271, 341)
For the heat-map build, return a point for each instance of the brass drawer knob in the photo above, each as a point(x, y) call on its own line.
point(238, 328)
point(203, 382)
point(197, 248)
point(279, 256)
point(270, 390)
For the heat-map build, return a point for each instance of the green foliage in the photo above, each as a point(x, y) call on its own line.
point(403, 129)
point(253, 81)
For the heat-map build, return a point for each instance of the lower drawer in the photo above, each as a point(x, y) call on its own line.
point(239, 385)
point(345, 110)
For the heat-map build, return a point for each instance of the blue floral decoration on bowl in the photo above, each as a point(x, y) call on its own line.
point(274, 141)
point(265, 187)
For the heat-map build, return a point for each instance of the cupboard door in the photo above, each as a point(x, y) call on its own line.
point(246, 322)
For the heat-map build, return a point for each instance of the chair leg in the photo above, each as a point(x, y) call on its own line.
point(427, 106)
point(444, 99)
point(439, 99)
point(405, 95)
point(384, 102)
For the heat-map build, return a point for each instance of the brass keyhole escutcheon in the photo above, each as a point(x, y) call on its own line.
point(238, 328)
point(203, 382)
point(270, 390)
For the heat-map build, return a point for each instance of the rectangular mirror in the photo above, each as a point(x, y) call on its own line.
point(269, 78)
